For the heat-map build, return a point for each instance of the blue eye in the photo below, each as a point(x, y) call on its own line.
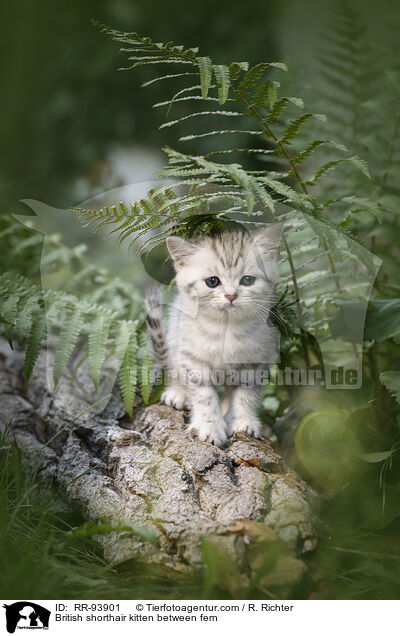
point(247, 280)
point(212, 281)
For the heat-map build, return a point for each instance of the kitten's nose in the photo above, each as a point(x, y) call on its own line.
point(231, 297)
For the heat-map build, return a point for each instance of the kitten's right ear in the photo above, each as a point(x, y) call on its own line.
point(179, 250)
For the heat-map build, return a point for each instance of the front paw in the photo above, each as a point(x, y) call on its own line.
point(211, 431)
point(250, 425)
point(174, 396)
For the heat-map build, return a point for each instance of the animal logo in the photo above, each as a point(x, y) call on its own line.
point(26, 615)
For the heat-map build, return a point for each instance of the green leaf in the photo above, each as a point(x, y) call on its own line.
point(24, 318)
point(238, 66)
point(391, 380)
point(98, 338)
point(37, 335)
point(360, 164)
point(224, 113)
point(146, 364)
point(374, 458)
point(223, 81)
point(364, 205)
point(9, 313)
point(280, 65)
point(146, 383)
point(272, 95)
point(251, 77)
point(282, 188)
point(164, 77)
point(309, 149)
point(205, 69)
point(92, 528)
point(221, 132)
point(126, 349)
point(382, 319)
point(69, 335)
point(291, 130)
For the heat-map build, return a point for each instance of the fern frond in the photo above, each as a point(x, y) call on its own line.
point(222, 76)
point(98, 339)
point(326, 167)
point(312, 146)
point(361, 204)
point(126, 349)
point(9, 314)
point(24, 318)
point(223, 113)
point(251, 78)
point(37, 334)
point(145, 365)
point(161, 51)
point(205, 70)
point(167, 77)
point(68, 338)
point(188, 98)
point(254, 74)
point(360, 164)
point(303, 201)
point(291, 130)
point(249, 151)
point(220, 132)
point(266, 93)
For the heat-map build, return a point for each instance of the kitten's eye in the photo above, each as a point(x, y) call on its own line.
point(212, 281)
point(247, 280)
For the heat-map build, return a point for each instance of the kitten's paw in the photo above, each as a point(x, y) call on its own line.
point(250, 425)
point(213, 432)
point(174, 396)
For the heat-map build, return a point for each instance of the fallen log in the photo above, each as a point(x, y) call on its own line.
point(150, 472)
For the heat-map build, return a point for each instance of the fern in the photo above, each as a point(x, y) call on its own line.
point(222, 76)
point(68, 337)
point(98, 339)
point(9, 315)
point(205, 71)
point(126, 348)
point(23, 320)
point(206, 191)
point(362, 106)
point(218, 189)
point(37, 335)
point(146, 365)
point(29, 312)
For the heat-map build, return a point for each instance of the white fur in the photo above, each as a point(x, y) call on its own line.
point(206, 332)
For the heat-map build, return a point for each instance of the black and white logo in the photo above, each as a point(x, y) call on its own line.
point(26, 615)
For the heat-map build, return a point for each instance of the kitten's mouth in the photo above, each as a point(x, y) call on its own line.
point(230, 307)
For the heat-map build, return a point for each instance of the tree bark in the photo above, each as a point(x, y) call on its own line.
point(243, 500)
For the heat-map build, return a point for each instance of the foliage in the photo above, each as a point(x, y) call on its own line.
point(97, 325)
point(205, 192)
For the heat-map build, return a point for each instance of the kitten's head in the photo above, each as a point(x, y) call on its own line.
point(232, 274)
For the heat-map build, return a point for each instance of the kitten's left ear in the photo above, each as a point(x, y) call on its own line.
point(179, 250)
point(268, 238)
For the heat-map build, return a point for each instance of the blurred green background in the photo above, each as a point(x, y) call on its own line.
point(68, 116)
point(66, 108)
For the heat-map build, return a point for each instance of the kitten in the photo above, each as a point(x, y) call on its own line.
point(219, 326)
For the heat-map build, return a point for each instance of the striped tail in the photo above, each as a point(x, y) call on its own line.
point(153, 304)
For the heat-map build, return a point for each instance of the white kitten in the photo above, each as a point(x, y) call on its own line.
point(219, 327)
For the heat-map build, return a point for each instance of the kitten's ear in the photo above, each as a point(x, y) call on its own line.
point(179, 249)
point(268, 239)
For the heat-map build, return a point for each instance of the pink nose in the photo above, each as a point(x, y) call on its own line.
point(231, 297)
